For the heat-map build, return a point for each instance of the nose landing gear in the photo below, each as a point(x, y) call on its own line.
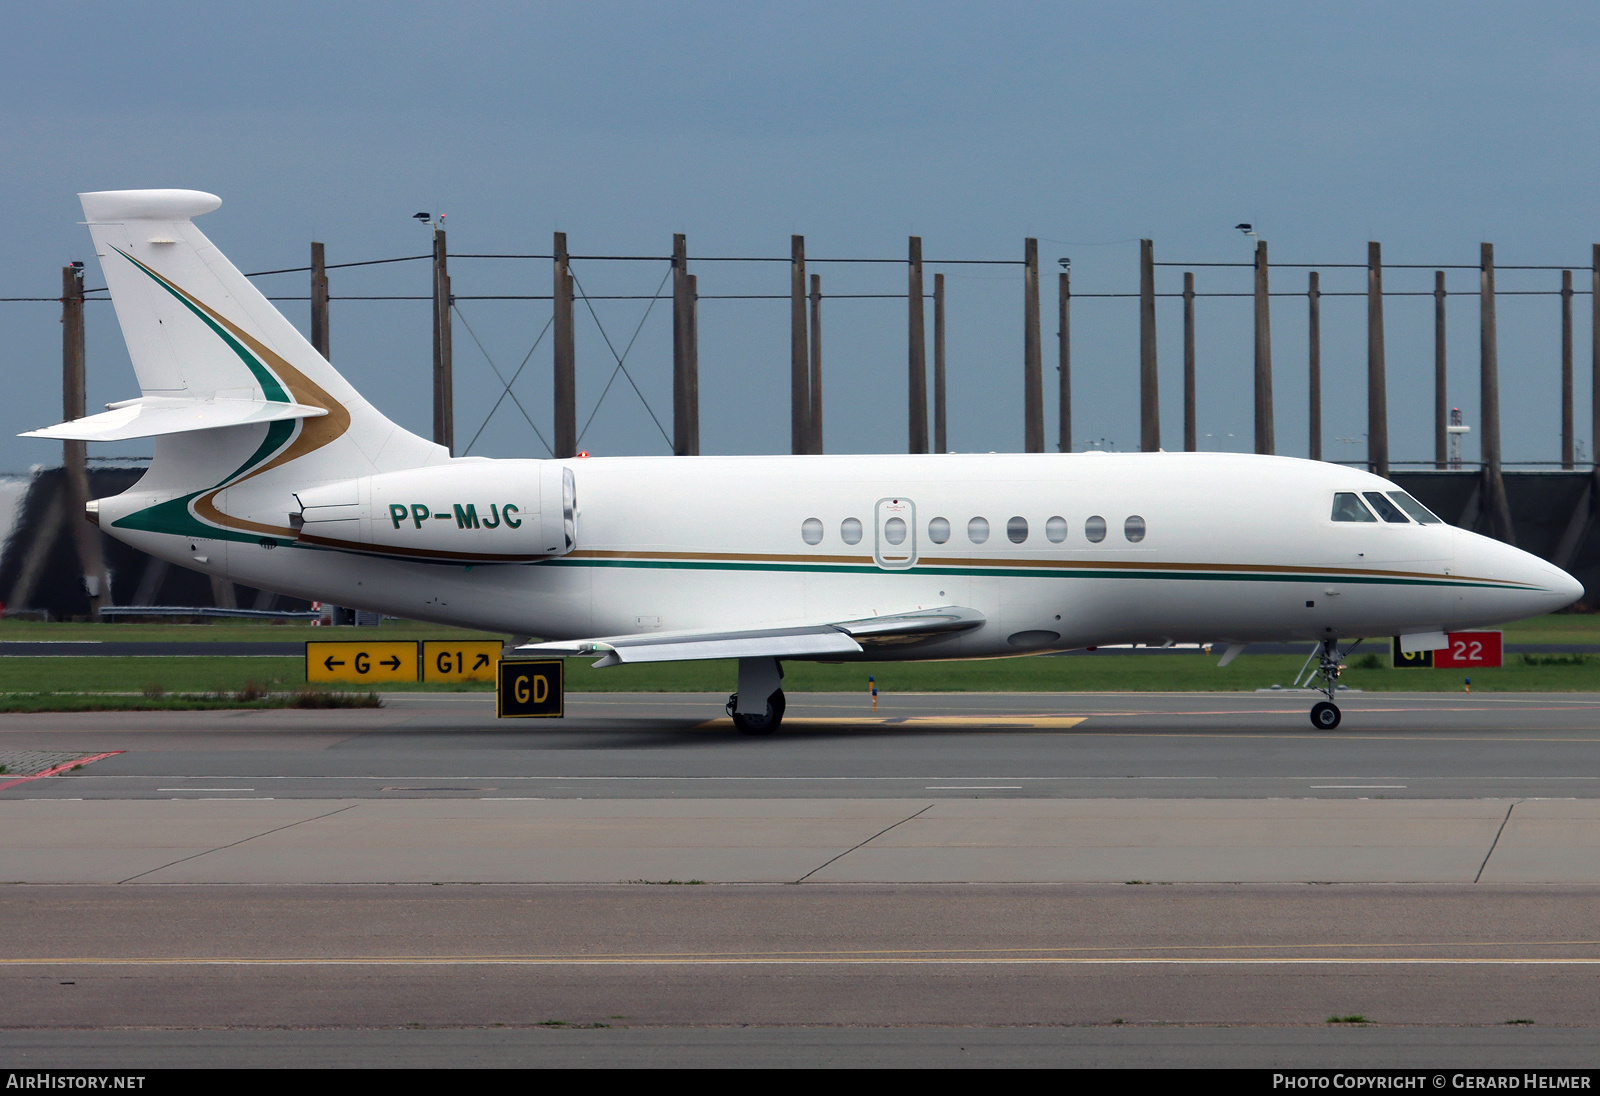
point(1330, 660)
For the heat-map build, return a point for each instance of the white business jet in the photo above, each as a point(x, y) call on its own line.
point(272, 471)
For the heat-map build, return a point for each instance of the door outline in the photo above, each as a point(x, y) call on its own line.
point(899, 557)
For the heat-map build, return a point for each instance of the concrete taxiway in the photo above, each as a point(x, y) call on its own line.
point(1022, 863)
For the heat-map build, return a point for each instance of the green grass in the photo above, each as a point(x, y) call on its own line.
point(227, 630)
point(1369, 670)
point(1555, 628)
point(1090, 673)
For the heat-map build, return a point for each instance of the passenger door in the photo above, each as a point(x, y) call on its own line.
point(894, 546)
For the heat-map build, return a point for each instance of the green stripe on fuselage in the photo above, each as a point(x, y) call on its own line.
point(1002, 570)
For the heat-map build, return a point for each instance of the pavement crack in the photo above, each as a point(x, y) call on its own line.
point(1495, 843)
point(868, 841)
point(241, 841)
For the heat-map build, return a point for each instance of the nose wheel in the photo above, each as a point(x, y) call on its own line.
point(1324, 715)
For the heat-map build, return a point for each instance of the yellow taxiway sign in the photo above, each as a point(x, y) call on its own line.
point(360, 662)
point(443, 660)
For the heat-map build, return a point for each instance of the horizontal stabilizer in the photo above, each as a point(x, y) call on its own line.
point(798, 641)
point(153, 416)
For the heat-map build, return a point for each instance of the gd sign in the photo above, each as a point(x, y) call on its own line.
point(529, 690)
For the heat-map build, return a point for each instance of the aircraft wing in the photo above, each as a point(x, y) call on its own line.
point(793, 641)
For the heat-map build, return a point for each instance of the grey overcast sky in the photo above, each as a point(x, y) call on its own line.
point(1427, 126)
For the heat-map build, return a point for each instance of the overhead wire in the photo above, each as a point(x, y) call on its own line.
point(620, 366)
point(508, 384)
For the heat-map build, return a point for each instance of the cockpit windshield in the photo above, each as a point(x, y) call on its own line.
point(1347, 506)
point(1418, 511)
point(1387, 510)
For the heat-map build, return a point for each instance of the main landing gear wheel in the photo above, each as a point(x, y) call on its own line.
point(1324, 716)
point(751, 723)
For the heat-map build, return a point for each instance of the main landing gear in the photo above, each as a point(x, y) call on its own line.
point(752, 723)
point(1330, 660)
point(758, 677)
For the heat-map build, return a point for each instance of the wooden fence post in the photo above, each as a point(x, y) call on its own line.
point(1032, 364)
point(916, 353)
point(1441, 402)
point(1489, 389)
point(1377, 382)
point(1064, 363)
point(939, 437)
point(444, 417)
point(1149, 378)
point(1314, 364)
point(319, 301)
point(814, 443)
point(1266, 441)
point(799, 358)
point(1566, 370)
point(1190, 418)
point(564, 350)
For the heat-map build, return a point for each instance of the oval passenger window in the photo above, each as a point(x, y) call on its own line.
point(939, 530)
point(1017, 530)
point(811, 531)
point(978, 530)
point(1056, 530)
point(850, 530)
point(1095, 529)
point(894, 530)
point(1133, 529)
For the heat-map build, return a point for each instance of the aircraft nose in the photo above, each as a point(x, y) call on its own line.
point(1547, 586)
point(1563, 586)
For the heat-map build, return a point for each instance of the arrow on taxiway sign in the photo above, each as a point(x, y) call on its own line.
point(393, 662)
point(329, 663)
point(483, 660)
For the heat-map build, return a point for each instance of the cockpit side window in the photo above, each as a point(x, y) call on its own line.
point(1347, 507)
point(1387, 510)
point(1418, 512)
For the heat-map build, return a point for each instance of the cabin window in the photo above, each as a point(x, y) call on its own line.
point(939, 530)
point(811, 531)
point(1095, 529)
point(1418, 512)
point(978, 530)
point(1017, 530)
point(1347, 507)
point(1387, 510)
point(1133, 529)
point(850, 530)
point(894, 530)
point(1056, 530)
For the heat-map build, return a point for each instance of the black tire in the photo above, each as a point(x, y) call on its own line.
point(1324, 716)
point(765, 723)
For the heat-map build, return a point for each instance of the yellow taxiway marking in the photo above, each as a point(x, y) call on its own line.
point(915, 722)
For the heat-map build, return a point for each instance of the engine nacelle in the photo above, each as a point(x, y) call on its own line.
point(504, 511)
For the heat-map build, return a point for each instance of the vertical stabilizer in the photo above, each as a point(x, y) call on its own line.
point(197, 330)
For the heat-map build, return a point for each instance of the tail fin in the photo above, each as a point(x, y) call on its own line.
point(211, 351)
